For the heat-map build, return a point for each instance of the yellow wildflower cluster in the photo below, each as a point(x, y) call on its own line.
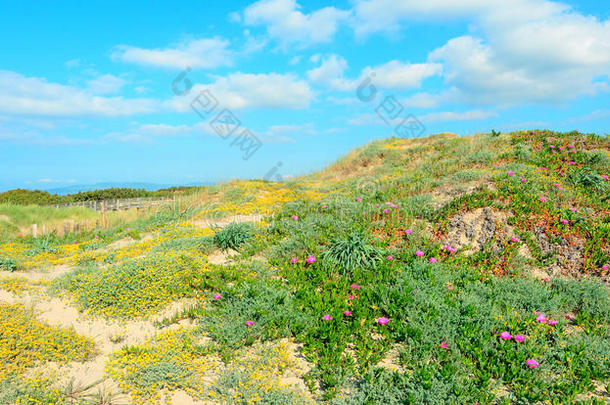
point(172, 360)
point(26, 341)
point(256, 374)
point(136, 288)
point(18, 285)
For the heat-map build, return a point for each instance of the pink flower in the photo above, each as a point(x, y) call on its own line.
point(558, 186)
point(217, 296)
point(295, 217)
point(605, 267)
point(605, 177)
point(249, 323)
point(364, 213)
point(505, 335)
point(542, 199)
point(432, 260)
point(541, 318)
point(546, 279)
point(553, 322)
point(572, 162)
point(408, 232)
point(561, 148)
point(386, 211)
point(350, 297)
point(510, 173)
point(128, 229)
point(390, 258)
point(354, 287)
point(569, 317)
point(358, 199)
point(327, 317)
point(532, 363)
point(382, 320)
point(294, 260)
point(311, 259)
point(565, 221)
point(76, 243)
point(450, 286)
point(419, 253)
point(519, 338)
point(376, 205)
point(523, 179)
point(444, 345)
point(570, 146)
point(552, 146)
point(573, 209)
point(347, 313)
point(514, 239)
point(95, 237)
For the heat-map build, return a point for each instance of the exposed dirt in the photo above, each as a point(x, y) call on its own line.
point(210, 223)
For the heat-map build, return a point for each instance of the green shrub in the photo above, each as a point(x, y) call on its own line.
point(8, 264)
point(233, 235)
point(353, 251)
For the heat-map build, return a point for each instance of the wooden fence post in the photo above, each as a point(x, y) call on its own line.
point(35, 230)
point(44, 230)
point(103, 211)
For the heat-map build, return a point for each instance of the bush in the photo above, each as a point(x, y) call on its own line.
point(352, 252)
point(233, 235)
point(8, 264)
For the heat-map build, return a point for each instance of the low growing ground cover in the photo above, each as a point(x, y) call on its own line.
point(437, 270)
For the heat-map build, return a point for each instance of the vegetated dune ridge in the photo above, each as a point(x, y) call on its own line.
point(444, 269)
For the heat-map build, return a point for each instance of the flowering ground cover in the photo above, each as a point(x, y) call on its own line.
point(436, 270)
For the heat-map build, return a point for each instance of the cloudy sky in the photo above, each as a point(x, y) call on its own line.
point(198, 91)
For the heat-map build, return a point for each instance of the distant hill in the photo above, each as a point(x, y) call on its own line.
point(102, 186)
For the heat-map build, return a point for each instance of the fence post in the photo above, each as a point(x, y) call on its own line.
point(44, 230)
point(103, 211)
point(35, 230)
point(66, 229)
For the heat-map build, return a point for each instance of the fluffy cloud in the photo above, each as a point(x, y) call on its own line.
point(244, 90)
point(393, 75)
point(285, 23)
point(106, 84)
point(33, 96)
point(198, 54)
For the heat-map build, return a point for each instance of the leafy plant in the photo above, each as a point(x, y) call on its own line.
point(351, 252)
point(233, 235)
point(8, 264)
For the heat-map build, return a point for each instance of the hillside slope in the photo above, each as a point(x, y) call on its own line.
point(445, 269)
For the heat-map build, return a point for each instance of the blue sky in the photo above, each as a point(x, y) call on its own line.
point(87, 92)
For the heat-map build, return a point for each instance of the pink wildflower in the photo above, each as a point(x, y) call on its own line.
point(350, 297)
point(327, 317)
point(569, 317)
point(542, 199)
point(249, 323)
point(358, 199)
point(553, 322)
point(510, 173)
point(532, 363)
point(295, 217)
point(311, 259)
point(541, 318)
point(354, 287)
point(444, 345)
point(572, 162)
point(565, 221)
point(505, 335)
point(605, 177)
point(217, 296)
point(514, 239)
point(382, 320)
point(347, 313)
point(573, 209)
point(450, 286)
point(519, 338)
point(432, 260)
point(419, 253)
point(390, 258)
point(294, 260)
point(605, 267)
point(523, 179)
point(386, 211)
point(408, 232)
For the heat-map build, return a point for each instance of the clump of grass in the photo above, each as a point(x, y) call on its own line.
point(233, 236)
point(8, 264)
point(353, 251)
point(587, 178)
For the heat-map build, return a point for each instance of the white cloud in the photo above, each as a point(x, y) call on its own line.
point(245, 90)
point(285, 23)
point(330, 73)
point(106, 84)
point(197, 53)
point(393, 75)
point(396, 75)
point(456, 116)
point(35, 96)
point(520, 51)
